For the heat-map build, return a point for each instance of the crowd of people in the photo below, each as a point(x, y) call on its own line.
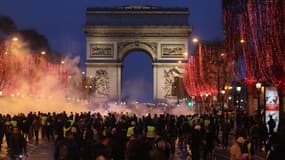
point(121, 136)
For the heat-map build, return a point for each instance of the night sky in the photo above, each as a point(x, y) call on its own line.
point(61, 22)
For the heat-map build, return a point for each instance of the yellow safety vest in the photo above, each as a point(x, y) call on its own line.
point(248, 147)
point(43, 120)
point(206, 122)
point(65, 130)
point(249, 150)
point(130, 131)
point(268, 154)
point(150, 132)
point(14, 123)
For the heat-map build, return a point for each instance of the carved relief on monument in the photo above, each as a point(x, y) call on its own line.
point(169, 80)
point(172, 50)
point(101, 50)
point(102, 82)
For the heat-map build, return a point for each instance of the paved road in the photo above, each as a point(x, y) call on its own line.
point(45, 150)
point(42, 151)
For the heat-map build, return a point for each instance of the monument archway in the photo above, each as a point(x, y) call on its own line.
point(111, 33)
point(137, 76)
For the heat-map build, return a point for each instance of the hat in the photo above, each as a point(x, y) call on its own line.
point(240, 140)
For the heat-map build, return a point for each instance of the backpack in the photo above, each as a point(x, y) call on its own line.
point(64, 151)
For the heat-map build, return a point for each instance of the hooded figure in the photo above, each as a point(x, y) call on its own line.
point(235, 151)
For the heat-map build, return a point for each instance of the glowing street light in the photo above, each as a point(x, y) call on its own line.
point(62, 62)
point(258, 87)
point(195, 40)
point(83, 73)
point(242, 41)
point(15, 39)
point(238, 88)
point(43, 52)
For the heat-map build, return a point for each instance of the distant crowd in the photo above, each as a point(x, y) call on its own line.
point(118, 136)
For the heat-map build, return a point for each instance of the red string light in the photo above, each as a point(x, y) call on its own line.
point(17, 69)
point(261, 24)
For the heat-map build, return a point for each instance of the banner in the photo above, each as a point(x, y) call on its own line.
point(271, 106)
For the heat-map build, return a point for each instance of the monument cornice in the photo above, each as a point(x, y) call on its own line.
point(131, 12)
point(136, 9)
point(89, 29)
point(169, 64)
point(112, 64)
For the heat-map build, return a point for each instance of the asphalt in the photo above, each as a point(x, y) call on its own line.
point(45, 150)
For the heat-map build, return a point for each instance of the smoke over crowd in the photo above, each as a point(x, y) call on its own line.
point(33, 78)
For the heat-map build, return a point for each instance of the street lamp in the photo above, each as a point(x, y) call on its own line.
point(195, 40)
point(242, 41)
point(258, 86)
point(238, 88)
point(15, 39)
point(223, 93)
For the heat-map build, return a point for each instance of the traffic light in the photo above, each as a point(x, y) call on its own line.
point(189, 103)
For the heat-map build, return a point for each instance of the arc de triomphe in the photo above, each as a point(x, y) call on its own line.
point(111, 33)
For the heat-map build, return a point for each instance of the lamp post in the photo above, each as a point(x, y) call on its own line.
point(238, 89)
point(223, 98)
point(258, 86)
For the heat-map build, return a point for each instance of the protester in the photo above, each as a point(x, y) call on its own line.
point(124, 136)
point(67, 148)
point(18, 146)
point(235, 150)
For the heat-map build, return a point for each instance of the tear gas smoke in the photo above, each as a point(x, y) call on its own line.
point(29, 83)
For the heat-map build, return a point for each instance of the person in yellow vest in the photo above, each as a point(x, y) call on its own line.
point(43, 125)
point(14, 123)
point(150, 133)
point(68, 125)
point(131, 129)
point(36, 126)
point(249, 150)
point(66, 128)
